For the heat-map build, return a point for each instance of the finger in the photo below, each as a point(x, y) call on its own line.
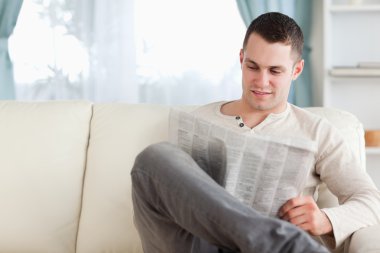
point(299, 220)
point(295, 212)
point(295, 202)
point(292, 203)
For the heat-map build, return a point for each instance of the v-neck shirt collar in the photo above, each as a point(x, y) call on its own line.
point(238, 119)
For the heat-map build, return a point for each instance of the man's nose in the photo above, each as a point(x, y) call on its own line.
point(262, 79)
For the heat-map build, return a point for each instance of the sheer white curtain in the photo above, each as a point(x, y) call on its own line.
point(188, 51)
point(108, 32)
point(167, 51)
point(75, 50)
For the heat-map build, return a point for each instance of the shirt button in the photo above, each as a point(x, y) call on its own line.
point(241, 124)
point(237, 117)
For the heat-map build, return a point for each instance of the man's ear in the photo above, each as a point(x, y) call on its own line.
point(298, 67)
point(241, 56)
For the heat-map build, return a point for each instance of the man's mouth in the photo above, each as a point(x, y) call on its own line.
point(261, 93)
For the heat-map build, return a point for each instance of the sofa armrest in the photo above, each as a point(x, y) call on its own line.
point(365, 240)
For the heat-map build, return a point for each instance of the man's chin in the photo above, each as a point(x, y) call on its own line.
point(261, 107)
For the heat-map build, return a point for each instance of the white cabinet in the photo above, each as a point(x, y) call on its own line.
point(351, 36)
point(345, 34)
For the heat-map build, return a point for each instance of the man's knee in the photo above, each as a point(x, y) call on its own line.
point(155, 156)
point(145, 169)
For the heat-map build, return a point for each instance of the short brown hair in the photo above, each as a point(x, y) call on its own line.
point(277, 27)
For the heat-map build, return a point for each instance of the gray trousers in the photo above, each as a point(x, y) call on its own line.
point(179, 208)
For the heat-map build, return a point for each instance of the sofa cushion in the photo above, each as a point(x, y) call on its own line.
point(42, 160)
point(365, 240)
point(118, 133)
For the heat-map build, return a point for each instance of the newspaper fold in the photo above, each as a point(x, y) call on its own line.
point(262, 172)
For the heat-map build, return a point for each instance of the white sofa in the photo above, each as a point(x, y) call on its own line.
point(65, 174)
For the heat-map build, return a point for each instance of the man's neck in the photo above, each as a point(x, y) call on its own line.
point(251, 118)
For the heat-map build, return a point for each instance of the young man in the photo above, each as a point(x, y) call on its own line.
point(179, 208)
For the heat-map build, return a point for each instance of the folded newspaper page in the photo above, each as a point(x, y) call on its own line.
point(262, 172)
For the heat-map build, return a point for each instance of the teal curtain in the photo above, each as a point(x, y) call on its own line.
point(300, 10)
point(9, 10)
point(303, 85)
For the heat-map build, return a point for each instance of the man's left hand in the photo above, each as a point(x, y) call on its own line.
point(305, 214)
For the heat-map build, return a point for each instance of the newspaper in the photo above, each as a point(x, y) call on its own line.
point(262, 172)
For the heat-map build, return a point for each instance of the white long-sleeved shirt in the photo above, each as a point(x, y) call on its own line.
point(335, 165)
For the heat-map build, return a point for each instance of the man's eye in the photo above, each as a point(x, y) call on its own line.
point(253, 67)
point(275, 72)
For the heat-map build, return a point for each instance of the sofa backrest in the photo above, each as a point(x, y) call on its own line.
point(118, 133)
point(42, 162)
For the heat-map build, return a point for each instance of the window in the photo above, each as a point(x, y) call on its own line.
point(181, 52)
point(188, 51)
point(49, 59)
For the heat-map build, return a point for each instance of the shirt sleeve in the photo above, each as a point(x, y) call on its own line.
point(359, 199)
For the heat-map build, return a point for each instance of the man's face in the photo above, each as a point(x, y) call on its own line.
point(268, 70)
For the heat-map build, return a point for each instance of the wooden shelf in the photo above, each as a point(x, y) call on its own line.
point(355, 8)
point(373, 80)
point(372, 150)
point(355, 72)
